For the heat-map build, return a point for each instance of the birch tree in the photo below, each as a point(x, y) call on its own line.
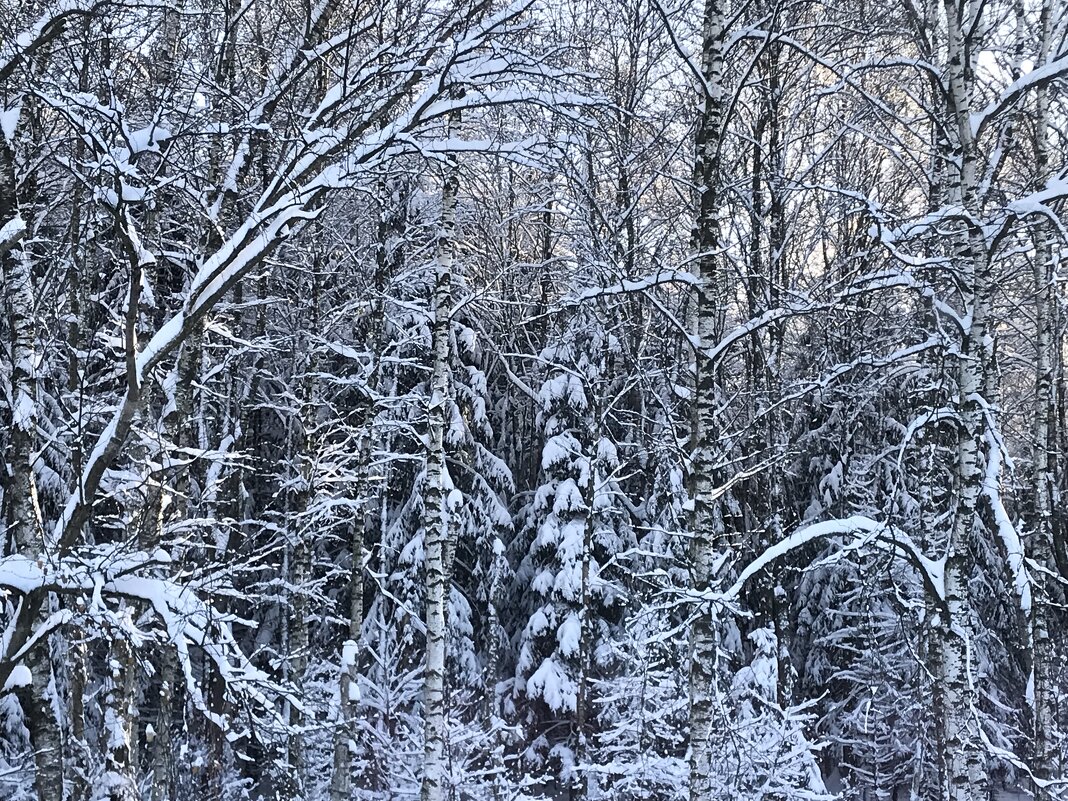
point(713, 544)
point(441, 502)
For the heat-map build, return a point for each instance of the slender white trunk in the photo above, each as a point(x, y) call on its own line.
point(966, 774)
point(436, 503)
point(709, 533)
point(498, 565)
point(1045, 693)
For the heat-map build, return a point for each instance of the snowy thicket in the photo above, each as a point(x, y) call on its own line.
point(556, 399)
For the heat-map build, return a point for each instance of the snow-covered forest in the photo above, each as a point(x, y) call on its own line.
point(465, 400)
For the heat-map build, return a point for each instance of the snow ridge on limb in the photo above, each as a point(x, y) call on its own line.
point(865, 532)
point(1040, 76)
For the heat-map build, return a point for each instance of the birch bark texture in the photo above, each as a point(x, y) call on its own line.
point(1044, 453)
point(439, 500)
point(966, 769)
point(710, 546)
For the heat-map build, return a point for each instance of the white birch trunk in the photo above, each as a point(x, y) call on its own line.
point(436, 525)
point(708, 530)
point(1045, 692)
point(498, 565)
point(965, 759)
